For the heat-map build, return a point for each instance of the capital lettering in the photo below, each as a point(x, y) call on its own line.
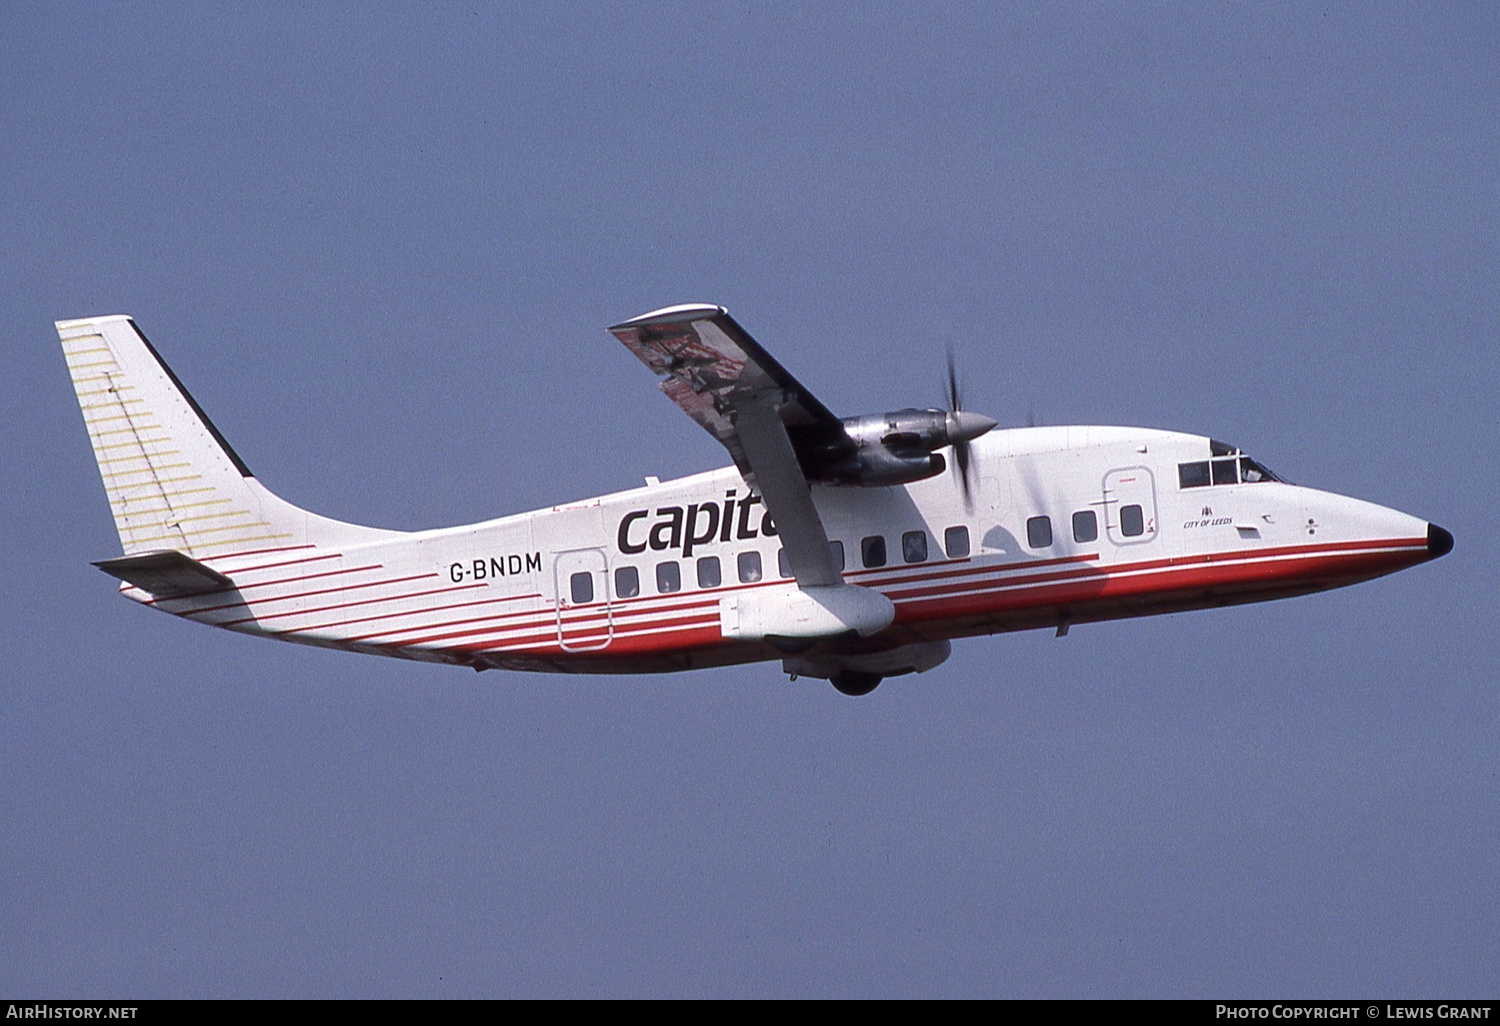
point(667, 534)
point(728, 518)
point(626, 546)
point(743, 529)
point(694, 536)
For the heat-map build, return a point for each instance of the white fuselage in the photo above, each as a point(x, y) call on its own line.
point(643, 580)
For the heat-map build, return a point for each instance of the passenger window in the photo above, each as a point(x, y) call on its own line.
point(749, 566)
point(1085, 526)
point(1192, 475)
point(581, 585)
point(1224, 472)
point(872, 550)
point(709, 575)
point(668, 577)
point(627, 582)
point(1039, 532)
point(914, 546)
point(1132, 522)
point(784, 568)
point(837, 548)
point(956, 542)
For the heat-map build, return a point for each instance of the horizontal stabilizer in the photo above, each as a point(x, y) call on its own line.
point(168, 574)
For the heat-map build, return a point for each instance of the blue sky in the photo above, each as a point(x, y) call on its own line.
point(380, 243)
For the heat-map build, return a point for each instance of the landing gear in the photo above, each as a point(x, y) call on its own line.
point(852, 682)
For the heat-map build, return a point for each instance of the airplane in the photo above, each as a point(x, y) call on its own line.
point(850, 549)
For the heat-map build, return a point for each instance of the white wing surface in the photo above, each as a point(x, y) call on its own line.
point(774, 429)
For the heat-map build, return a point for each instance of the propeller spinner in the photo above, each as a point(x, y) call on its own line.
point(882, 449)
point(963, 428)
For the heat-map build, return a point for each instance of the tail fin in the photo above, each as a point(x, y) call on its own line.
point(173, 482)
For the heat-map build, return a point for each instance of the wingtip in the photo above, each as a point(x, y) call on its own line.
point(673, 315)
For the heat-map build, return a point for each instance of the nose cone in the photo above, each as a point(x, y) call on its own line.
point(1439, 542)
point(964, 426)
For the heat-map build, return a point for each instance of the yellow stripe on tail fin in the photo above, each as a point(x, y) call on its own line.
point(172, 480)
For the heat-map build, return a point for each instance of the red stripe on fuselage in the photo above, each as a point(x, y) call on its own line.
point(1398, 554)
point(448, 590)
point(285, 562)
point(424, 611)
point(678, 623)
point(1181, 587)
point(269, 584)
point(1182, 580)
point(300, 594)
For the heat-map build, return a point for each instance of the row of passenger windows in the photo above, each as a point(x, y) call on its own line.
point(872, 554)
point(1086, 526)
point(872, 551)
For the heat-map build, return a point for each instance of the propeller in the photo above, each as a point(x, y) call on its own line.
point(963, 428)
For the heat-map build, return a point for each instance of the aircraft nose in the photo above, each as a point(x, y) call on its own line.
point(1439, 542)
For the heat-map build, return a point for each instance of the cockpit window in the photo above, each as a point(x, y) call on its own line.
point(1222, 471)
point(1250, 471)
point(1193, 475)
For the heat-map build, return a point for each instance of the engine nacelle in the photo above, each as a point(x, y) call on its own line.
point(878, 466)
point(899, 447)
point(909, 429)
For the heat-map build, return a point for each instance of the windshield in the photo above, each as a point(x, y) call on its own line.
point(1228, 466)
point(1251, 471)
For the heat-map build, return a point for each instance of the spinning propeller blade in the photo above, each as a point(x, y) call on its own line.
point(963, 428)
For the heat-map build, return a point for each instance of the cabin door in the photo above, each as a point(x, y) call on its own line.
point(1130, 506)
point(585, 621)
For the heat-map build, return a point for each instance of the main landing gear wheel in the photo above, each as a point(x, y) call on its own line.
point(853, 683)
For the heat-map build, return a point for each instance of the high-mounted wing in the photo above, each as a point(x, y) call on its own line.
point(709, 364)
point(774, 429)
point(712, 368)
